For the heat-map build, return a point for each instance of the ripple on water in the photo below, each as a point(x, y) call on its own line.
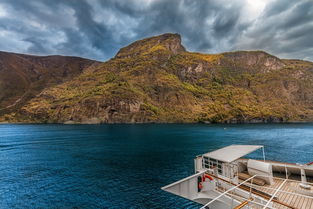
point(123, 166)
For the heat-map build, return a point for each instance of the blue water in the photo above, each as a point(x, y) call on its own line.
point(123, 166)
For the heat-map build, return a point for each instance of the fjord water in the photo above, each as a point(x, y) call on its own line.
point(123, 166)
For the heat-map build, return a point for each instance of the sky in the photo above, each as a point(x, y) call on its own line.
point(96, 29)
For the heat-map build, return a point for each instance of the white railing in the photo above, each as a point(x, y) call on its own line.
point(277, 190)
point(229, 190)
point(183, 180)
point(283, 191)
point(265, 202)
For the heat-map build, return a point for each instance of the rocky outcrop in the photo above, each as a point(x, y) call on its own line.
point(170, 42)
point(251, 59)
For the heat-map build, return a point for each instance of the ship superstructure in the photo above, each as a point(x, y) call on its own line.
point(225, 179)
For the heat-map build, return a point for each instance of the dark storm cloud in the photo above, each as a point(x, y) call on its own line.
point(285, 29)
point(98, 28)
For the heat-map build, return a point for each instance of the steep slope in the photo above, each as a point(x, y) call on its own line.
point(23, 76)
point(157, 80)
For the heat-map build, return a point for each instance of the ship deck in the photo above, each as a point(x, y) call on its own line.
point(287, 193)
point(290, 193)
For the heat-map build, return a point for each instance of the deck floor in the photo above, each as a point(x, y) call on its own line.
point(292, 199)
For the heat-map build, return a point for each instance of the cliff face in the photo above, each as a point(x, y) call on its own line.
point(157, 80)
point(22, 77)
point(168, 42)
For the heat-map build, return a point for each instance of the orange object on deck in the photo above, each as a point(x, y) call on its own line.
point(244, 203)
point(207, 176)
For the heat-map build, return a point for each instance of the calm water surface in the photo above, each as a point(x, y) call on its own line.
point(123, 166)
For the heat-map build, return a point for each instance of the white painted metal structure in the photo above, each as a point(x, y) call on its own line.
point(216, 184)
point(233, 152)
point(256, 167)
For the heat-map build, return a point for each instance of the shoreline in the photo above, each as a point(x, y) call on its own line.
point(157, 123)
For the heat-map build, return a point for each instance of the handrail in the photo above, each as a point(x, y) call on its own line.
point(277, 190)
point(291, 180)
point(251, 201)
point(243, 185)
point(184, 179)
point(258, 192)
point(226, 192)
point(310, 163)
point(282, 191)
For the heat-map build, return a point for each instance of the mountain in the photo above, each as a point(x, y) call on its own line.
point(22, 77)
point(157, 80)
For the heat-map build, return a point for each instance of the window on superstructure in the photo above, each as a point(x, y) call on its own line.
point(206, 162)
point(219, 167)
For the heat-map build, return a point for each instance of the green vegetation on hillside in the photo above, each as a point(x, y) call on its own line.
point(156, 80)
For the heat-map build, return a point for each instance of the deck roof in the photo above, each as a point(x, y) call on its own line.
point(233, 152)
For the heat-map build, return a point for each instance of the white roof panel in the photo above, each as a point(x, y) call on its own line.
point(233, 152)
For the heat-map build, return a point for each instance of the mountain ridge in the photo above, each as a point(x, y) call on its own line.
point(157, 80)
point(23, 76)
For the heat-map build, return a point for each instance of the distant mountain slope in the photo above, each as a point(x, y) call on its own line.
point(157, 80)
point(23, 76)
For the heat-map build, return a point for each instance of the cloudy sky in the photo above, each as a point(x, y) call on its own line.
point(96, 29)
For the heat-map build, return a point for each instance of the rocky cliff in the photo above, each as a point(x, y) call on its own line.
point(157, 80)
point(22, 77)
